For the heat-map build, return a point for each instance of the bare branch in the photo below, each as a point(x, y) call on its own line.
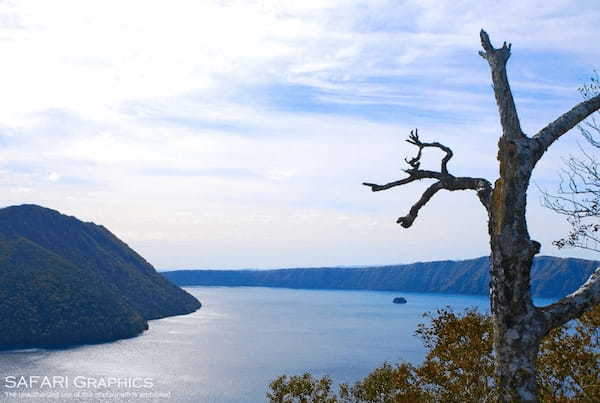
point(564, 123)
point(482, 186)
point(445, 180)
point(407, 220)
point(413, 175)
point(497, 59)
point(573, 305)
point(414, 162)
point(494, 56)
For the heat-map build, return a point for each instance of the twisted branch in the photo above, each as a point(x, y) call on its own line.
point(444, 180)
point(414, 162)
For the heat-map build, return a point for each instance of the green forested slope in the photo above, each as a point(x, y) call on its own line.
point(63, 281)
point(47, 300)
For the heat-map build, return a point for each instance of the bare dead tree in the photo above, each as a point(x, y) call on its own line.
point(519, 326)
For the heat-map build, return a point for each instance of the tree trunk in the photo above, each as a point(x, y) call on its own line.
point(517, 329)
point(518, 326)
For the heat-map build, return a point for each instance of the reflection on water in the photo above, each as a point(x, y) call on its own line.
point(231, 348)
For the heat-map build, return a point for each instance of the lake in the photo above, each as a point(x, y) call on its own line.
point(229, 350)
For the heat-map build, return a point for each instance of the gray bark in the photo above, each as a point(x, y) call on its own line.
point(519, 326)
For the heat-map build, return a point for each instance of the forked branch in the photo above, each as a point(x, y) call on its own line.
point(444, 180)
point(497, 59)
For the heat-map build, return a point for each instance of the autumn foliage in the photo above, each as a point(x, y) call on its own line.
point(459, 367)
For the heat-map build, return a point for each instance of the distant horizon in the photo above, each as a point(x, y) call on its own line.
point(356, 266)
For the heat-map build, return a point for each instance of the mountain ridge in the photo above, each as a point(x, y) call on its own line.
point(552, 277)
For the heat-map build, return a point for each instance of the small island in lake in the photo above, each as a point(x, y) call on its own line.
point(64, 281)
point(399, 300)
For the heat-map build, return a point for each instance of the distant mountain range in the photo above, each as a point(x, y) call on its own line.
point(552, 277)
point(64, 281)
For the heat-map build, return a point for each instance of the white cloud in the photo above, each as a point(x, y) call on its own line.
point(53, 177)
point(237, 133)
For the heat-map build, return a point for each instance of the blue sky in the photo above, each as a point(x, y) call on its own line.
point(226, 134)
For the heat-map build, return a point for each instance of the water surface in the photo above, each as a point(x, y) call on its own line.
point(240, 340)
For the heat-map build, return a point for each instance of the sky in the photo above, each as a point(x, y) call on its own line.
point(236, 134)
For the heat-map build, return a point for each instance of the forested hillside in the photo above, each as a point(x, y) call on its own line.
point(551, 277)
point(63, 281)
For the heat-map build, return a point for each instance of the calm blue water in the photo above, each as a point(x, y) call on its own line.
point(240, 340)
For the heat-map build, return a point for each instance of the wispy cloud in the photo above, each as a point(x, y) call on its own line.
point(237, 133)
